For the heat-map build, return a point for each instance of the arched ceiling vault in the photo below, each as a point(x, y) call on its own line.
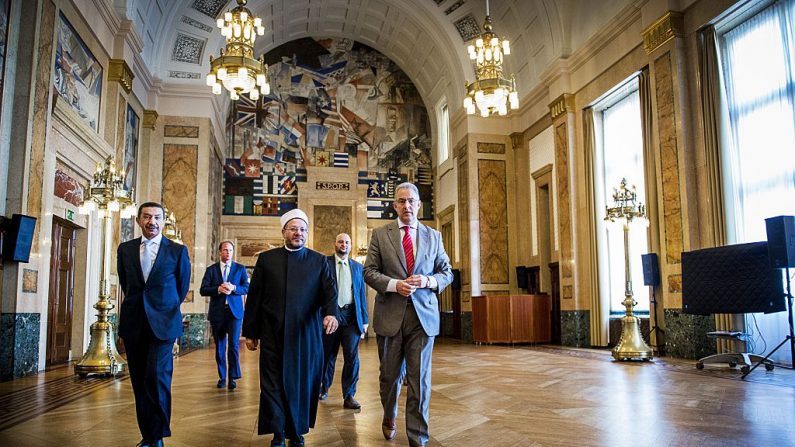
point(425, 37)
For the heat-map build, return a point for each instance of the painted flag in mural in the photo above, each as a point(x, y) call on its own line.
point(289, 157)
point(322, 158)
point(232, 168)
point(239, 186)
point(287, 204)
point(287, 185)
point(380, 209)
point(376, 188)
point(340, 160)
point(252, 167)
point(424, 175)
point(270, 206)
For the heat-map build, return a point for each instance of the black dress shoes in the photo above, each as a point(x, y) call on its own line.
point(297, 442)
point(146, 443)
point(232, 384)
point(220, 384)
point(351, 404)
point(323, 395)
point(277, 441)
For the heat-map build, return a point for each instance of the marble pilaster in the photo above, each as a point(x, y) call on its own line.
point(198, 330)
point(575, 328)
point(686, 335)
point(19, 344)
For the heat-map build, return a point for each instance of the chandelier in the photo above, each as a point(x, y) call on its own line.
point(490, 92)
point(236, 69)
point(170, 229)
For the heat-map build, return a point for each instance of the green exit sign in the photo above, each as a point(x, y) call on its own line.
point(70, 215)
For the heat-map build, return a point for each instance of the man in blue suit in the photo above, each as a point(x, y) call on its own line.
point(352, 316)
point(154, 274)
point(225, 282)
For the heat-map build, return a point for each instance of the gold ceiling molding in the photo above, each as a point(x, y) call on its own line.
point(150, 119)
point(670, 25)
point(119, 71)
point(564, 103)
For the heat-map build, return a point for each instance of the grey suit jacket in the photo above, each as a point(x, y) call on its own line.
point(386, 261)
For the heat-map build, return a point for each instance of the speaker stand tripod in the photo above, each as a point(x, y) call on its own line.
point(789, 338)
point(655, 329)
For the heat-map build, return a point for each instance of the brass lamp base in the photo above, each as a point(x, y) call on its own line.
point(631, 345)
point(101, 356)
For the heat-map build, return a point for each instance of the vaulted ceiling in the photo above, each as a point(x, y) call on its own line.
point(425, 37)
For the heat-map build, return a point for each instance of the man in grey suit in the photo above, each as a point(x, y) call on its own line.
point(407, 265)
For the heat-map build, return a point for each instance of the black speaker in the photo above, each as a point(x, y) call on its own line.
point(18, 238)
point(651, 269)
point(781, 241)
point(456, 284)
point(521, 277)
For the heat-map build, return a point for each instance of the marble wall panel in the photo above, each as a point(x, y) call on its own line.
point(575, 328)
point(463, 220)
point(491, 148)
point(466, 327)
point(329, 222)
point(669, 156)
point(198, 330)
point(181, 131)
point(179, 188)
point(686, 335)
point(41, 102)
point(19, 344)
point(493, 199)
point(121, 121)
point(564, 199)
point(68, 188)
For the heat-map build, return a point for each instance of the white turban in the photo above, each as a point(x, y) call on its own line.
point(293, 214)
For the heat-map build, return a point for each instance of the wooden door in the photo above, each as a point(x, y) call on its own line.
point(554, 272)
point(62, 275)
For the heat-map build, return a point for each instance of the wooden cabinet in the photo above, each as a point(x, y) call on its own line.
point(511, 318)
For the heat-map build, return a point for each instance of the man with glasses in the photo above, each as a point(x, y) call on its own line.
point(407, 265)
point(290, 287)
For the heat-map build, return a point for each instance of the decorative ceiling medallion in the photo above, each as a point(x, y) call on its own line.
point(197, 24)
point(210, 8)
point(467, 27)
point(188, 49)
point(453, 7)
point(183, 75)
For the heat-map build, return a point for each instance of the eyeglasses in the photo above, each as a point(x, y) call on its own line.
point(296, 230)
point(411, 201)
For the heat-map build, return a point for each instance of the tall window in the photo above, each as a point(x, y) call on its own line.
point(443, 114)
point(758, 62)
point(619, 145)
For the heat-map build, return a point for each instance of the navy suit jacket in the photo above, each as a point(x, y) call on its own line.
point(213, 277)
point(157, 299)
point(359, 292)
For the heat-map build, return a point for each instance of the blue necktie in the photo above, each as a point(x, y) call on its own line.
point(226, 271)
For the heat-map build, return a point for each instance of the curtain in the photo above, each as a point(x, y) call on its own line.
point(650, 171)
point(600, 309)
point(758, 66)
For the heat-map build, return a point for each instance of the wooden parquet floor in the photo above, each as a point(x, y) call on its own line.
point(482, 396)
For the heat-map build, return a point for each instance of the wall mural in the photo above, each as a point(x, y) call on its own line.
point(78, 74)
point(334, 103)
point(5, 6)
point(131, 129)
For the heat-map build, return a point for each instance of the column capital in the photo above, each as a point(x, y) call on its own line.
point(670, 25)
point(119, 71)
point(150, 119)
point(562, 104)
point(517, 140)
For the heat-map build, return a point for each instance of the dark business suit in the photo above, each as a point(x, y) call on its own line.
point(406, 326)
point(351, 326)
point(149, 322)
point(226, 315)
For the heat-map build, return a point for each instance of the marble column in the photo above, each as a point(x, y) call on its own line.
point(664, 42)
point(25, 123)
point(575, 311)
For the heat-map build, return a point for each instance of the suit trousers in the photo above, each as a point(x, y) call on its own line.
point(226, 335)
point(348, 336)
point(151, 365)
point(407, 354)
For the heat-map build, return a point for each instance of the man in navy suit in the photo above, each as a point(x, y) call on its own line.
point(225, 282)
point(154, 274)
point(352, 316)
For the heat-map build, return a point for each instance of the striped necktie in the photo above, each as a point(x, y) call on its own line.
point(408, 249)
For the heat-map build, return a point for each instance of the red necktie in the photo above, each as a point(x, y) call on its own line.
point(408, 249)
